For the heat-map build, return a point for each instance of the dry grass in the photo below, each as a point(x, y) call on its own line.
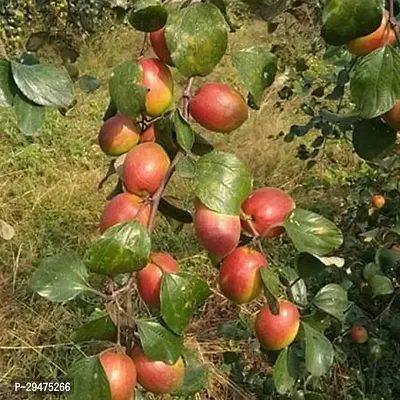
point(48, 193)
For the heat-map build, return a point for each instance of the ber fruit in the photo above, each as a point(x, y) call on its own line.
point(121, 374)
point(149, 278)
point(159, 45)
point(157, 376)
point(239, 276)
point(118, 135)
point(267, 209)
point(122, 208)
point(359, 334)
point(217, 233)
point(276, 332)
point(218, 107)
point(392, 117)
point(157, 78)
point(378, 201)
point(384, 35)
point(144, 168)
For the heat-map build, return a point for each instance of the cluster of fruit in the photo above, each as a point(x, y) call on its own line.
point(362, 46)
point(14, 14)
point(219, 108)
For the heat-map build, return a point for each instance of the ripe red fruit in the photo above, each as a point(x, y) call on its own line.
point(217, 233)
point(149, 278)
point(118, 135)
point(267, 208)
point(276, 332)
point(157, 376)
point(384, 35)
point(144, 168)
point(218, 107)
point(158, 80)
point(124, 207)
point(396, 247)
point(239, 276)
point(359, 334)
point(149, 135)
point(159, 45)
point(121, 374)
point(392, 117)
point(378, 201)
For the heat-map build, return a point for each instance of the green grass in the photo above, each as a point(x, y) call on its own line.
point(48, 193)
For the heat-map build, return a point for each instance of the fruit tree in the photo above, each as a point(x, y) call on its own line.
point(150, 132)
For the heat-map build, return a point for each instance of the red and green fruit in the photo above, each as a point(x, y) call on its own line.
point(378, 201)
point(276, 332)
point(121, 374)
point(392, 117)
point(118, 135)
point(144, 168)
point(384, 35)
point(149, 278)
point(267, 209)
point(239, 276)
point(158, 80)
point(359, 334)
point(218, 107)
point(159, 45)
point(122, 208)
point(157, 376)
point(217, 233)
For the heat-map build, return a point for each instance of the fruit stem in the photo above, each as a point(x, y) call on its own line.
point(256, 235)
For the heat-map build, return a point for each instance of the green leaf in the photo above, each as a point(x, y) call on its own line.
point(123, 248)
point(184, 132)
point(7, 85)
point(387, 259)
point(201, 146)
point(88, 83)
point(196, 374)
point(271, 281)
point(344, 20)
point(30, 116)
point(60, 278)
point(370, 270)
point(90, 380)
point(169, 210)
point(159, 343)
point(99, 327)
point(197, 37)
point(285, 371)
point(140, 395)
point(147, 15)
point(125, 90)
point(297, 287)
point(319, 351)
point(332, 299)
point(375, 83)
point(318, 321)
point(257, 69)
point(180, 295)
point(381, 285)
point(222, 182)
point(312, 233)
point(372, 138)
point(186, 168)
point(45, 85)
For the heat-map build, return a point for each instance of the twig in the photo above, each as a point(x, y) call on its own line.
point(145, 45)
point(389, 306)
